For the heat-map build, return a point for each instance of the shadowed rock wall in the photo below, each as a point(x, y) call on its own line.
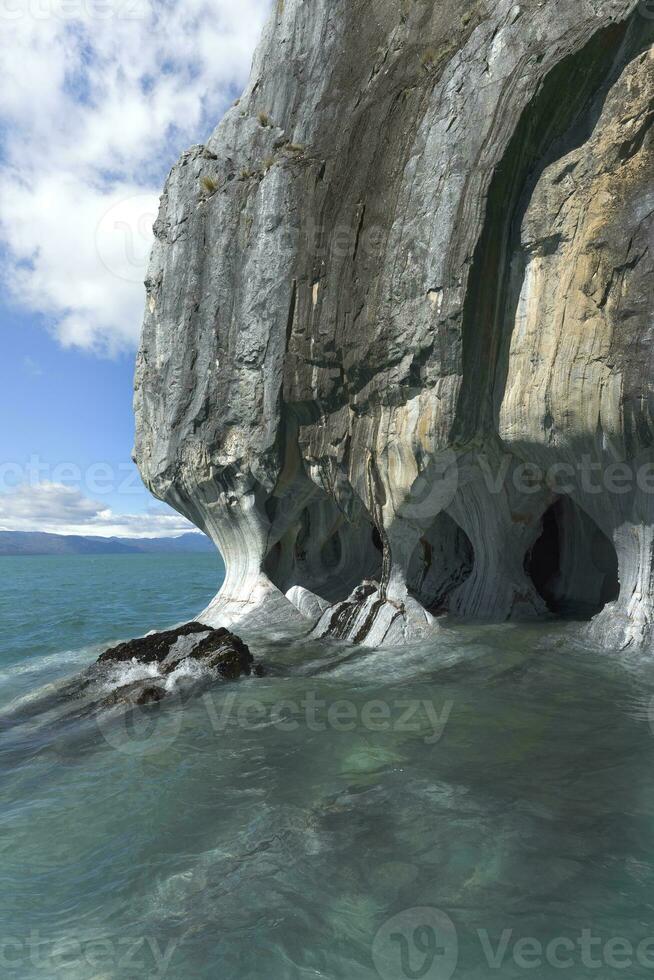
point(400, 306)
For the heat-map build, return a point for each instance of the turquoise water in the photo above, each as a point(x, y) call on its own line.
point(66, 605)
point(479, 806)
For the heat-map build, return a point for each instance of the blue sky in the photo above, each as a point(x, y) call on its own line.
point(97, 100)
point(66, 406)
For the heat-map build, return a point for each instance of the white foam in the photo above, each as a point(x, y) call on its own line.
point(187, 670)
point(128, 673)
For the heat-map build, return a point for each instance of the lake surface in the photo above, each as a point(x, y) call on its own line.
point(479, 806)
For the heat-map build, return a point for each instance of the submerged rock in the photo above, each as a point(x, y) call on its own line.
point(138, 693)
point(406, 336)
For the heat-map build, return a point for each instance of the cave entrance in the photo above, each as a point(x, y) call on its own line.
point(573, 565)
point(325, 553)
point(441, 562)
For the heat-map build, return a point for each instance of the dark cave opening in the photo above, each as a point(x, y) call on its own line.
point(441, 562)
point(573, 564)
point(325, 553)
point(331, 552)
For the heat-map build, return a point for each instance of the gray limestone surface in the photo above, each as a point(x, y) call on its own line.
point(397, 353)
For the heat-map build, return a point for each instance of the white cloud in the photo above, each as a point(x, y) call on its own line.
point(58, 509)
point(97, 98)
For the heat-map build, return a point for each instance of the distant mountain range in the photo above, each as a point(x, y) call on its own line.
point(38, 543)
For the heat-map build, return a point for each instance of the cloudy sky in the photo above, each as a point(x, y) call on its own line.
point(97, 100)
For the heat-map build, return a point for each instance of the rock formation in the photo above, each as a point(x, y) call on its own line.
point(397, 353)
point(212, 651)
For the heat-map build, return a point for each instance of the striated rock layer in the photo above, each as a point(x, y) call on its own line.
point(397, 353)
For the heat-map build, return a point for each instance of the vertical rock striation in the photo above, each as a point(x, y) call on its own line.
point(396, 357)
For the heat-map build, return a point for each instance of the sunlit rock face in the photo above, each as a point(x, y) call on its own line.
point(398, 339)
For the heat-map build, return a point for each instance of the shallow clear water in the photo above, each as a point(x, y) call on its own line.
point(480, 806)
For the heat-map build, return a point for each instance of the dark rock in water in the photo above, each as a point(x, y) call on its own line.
point(150, 695)
point(216, 649)
point(136, 693)
point(224, 652)
point(150, 649)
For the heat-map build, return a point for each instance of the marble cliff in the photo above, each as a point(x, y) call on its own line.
point(397, 354)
